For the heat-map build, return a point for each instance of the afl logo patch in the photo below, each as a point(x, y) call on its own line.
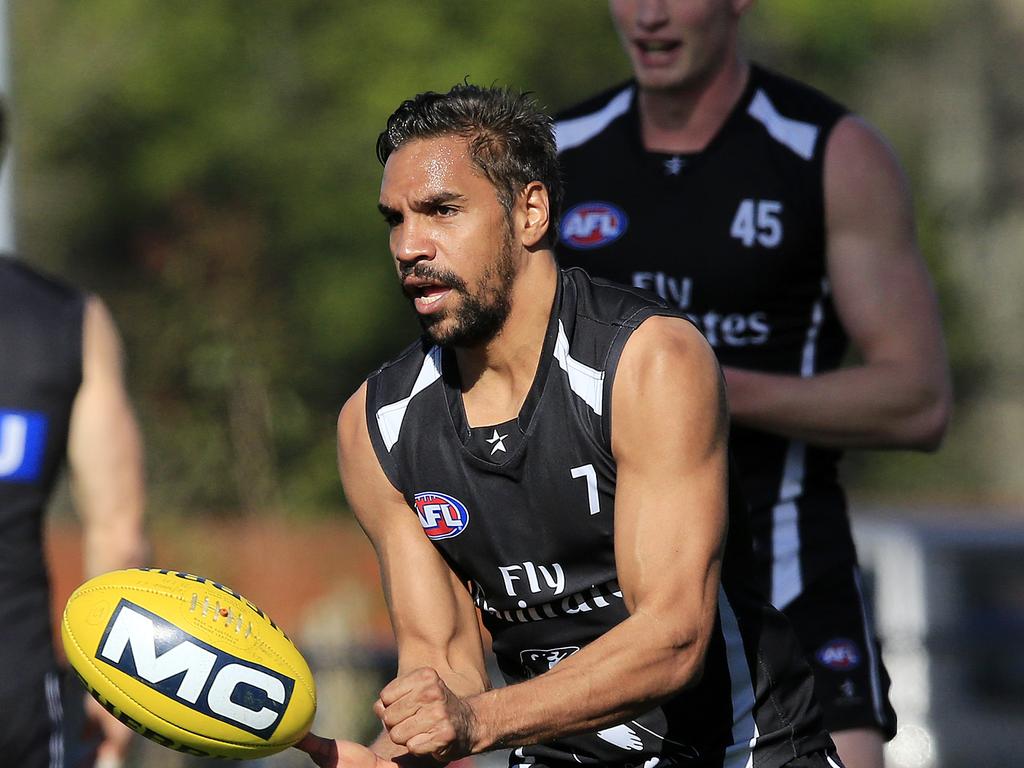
point(442, 516)
point(593, 224)
point(839, 655)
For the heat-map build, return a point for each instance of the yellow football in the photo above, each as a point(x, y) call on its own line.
point(188, 663)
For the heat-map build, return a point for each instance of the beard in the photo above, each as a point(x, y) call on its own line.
point(481, 314)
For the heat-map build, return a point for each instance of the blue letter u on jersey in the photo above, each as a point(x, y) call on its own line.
point(22, 443)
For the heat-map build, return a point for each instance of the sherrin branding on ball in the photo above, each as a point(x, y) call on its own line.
point(188, 663)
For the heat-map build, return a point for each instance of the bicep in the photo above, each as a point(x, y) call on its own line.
point(432, 613)
point(669, 441)
point(105, 448)
point(882, 290)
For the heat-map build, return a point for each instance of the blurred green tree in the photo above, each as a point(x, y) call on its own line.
point(209, 168)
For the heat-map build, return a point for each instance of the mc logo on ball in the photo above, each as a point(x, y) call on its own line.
point(209, 680)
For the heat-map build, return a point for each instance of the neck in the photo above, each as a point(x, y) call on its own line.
point(687, 118)
point(497, 376)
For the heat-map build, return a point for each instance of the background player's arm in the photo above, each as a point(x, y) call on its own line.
point(432, 614)
point(105, 452)
point(899, 395)
point(669, 441)
point(106, 465)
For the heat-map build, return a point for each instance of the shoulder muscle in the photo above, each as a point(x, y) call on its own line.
point(668, 385)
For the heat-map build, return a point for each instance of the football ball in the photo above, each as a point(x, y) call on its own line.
point(188, 663)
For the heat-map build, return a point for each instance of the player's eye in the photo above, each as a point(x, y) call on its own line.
point(446, 210)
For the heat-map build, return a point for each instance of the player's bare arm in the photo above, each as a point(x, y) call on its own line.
point(105, 452)
point(107, 483)
point(432, 615)
point(899, 394)
point(669, 440)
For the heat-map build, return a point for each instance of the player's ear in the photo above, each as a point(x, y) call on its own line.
point(535, 210)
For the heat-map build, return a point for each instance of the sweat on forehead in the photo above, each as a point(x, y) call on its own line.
point(438, 153)
point(435, 166)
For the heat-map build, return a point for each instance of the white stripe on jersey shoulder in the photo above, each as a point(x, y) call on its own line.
point(586, 382)
point(740, 754)
point(795, 134)
point(579, 130)
point(390, 417)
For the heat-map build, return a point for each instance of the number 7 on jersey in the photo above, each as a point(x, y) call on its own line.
point(587, 471)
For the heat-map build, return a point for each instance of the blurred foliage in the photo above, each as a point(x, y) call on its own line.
point(209, 169)
point(833, 40)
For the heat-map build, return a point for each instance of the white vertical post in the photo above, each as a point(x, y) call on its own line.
point(7, 165)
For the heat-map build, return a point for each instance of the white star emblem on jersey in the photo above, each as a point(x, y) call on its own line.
point(497, 441)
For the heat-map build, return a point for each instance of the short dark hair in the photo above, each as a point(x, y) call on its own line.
point(511, 139)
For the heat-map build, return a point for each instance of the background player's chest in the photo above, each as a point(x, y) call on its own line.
point(724, 235)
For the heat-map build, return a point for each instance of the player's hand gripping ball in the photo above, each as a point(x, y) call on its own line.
point(188, 663)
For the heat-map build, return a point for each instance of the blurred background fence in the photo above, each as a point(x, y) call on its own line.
point(208, 168)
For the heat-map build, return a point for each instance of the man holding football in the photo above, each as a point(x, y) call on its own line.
point(551, 457)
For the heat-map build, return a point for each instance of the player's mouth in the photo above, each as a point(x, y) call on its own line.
point(655, 52)
point(427, 300)
point(427, 295)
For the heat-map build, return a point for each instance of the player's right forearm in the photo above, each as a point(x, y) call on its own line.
point(622, 674)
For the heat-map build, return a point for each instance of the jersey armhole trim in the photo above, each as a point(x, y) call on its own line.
point(384, 458)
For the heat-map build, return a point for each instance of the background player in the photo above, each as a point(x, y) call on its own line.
point(61, 393)
point(552, 453)
point(782, 226)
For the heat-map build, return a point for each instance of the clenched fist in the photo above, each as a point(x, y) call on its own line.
point(422, 714)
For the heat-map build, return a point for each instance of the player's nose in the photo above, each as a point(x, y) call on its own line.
point(412, 243)
point(651, 14)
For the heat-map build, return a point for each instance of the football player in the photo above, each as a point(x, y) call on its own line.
point(781, 224)
point(551, 456)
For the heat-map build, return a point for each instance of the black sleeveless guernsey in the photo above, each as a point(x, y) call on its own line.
point(40, 372)
point(734, 237)
point(524, 513)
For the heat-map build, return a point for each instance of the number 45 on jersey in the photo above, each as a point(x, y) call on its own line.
point(758, 221)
